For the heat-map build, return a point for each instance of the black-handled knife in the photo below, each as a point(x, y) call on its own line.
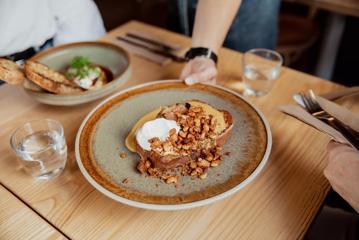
point(163, 46)
point(156, 51)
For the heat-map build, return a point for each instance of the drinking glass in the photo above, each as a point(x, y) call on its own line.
point(261, 67)
point(41, 148)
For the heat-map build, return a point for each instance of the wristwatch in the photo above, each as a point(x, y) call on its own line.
point(201, 51)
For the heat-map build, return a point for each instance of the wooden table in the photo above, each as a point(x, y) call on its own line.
point(279, 204)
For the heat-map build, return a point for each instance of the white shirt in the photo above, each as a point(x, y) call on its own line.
point(29, 23)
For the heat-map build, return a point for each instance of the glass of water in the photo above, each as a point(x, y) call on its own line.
point(261, 67)
point(41, 148)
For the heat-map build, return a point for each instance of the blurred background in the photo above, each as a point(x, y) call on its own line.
point(319, 37)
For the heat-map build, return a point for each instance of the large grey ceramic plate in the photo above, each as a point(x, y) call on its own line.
point(102, 134)
point(105, 54)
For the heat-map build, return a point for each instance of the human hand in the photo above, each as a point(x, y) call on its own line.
point(342, 172)
point(199, 70)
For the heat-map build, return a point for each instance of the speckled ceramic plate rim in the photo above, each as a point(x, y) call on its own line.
point(170, 207)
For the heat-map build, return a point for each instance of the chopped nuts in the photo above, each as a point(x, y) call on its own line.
point(205, 128)
point(203, 176)
point(141, 167)
point(186, 147)
point(125, 181)
point(172, 131)
point(193, 164)
point(182, 134)
point(167, 147)
point(197, 122)
point(123, 155)
point(172, 179)
point(209, 157)
point(199, 170)
point(203, 163)
point(196, 139)
point(215, 163)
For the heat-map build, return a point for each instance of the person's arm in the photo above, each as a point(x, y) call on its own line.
point(212, 22)
point(342, 172)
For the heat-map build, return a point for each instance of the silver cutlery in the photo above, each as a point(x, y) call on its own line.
point(162, 46)
point(312, 106)
point(168, 54)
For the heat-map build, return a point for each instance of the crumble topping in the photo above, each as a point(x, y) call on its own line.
point(195, 140)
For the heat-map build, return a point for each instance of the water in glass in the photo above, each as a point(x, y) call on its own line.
point(261, 67)
point(43, 154)
point(259, 82)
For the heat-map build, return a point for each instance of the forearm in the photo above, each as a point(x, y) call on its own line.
point(212, 21)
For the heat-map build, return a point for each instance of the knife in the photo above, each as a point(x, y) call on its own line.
point(341, 113)
point(163, 46)
point(155, 51)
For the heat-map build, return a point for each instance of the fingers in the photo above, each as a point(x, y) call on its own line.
point(186, 71)
point(335, 148)
point(203, 76)
point(199, 70)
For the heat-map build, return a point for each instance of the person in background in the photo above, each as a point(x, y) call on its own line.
point(212, 22)
point(254, 25)
point(28, 26)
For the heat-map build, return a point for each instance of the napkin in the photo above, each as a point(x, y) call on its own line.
point(302, 115)
point(341, 93)
point(341, 113)
point(162, 60)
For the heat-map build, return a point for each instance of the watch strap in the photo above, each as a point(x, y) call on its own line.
point(201, 51)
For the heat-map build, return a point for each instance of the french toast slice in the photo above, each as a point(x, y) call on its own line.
point(203, 130)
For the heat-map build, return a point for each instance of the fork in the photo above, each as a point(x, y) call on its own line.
point(312, 106)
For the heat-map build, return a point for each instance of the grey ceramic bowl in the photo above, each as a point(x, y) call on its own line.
point(105, 54)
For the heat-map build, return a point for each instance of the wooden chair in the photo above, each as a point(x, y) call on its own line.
point(297, 33)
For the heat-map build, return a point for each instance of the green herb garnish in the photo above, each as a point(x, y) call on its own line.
point(80, 62)
point(80, 67)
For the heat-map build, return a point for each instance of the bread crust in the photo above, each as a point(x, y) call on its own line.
point(45, 71)
point(10, 72)
point(49, 80)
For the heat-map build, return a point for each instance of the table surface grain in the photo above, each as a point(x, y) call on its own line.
point(279, 204)
point(18, 221)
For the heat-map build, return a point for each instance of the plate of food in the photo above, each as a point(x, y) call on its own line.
point(72, 73)
point(167, 146)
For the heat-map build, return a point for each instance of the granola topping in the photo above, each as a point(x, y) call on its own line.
point(196, 139)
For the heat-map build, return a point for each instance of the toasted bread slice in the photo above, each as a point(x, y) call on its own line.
point(10, 72)
point(45, 71)
point(173, 159)
point(49, 80)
